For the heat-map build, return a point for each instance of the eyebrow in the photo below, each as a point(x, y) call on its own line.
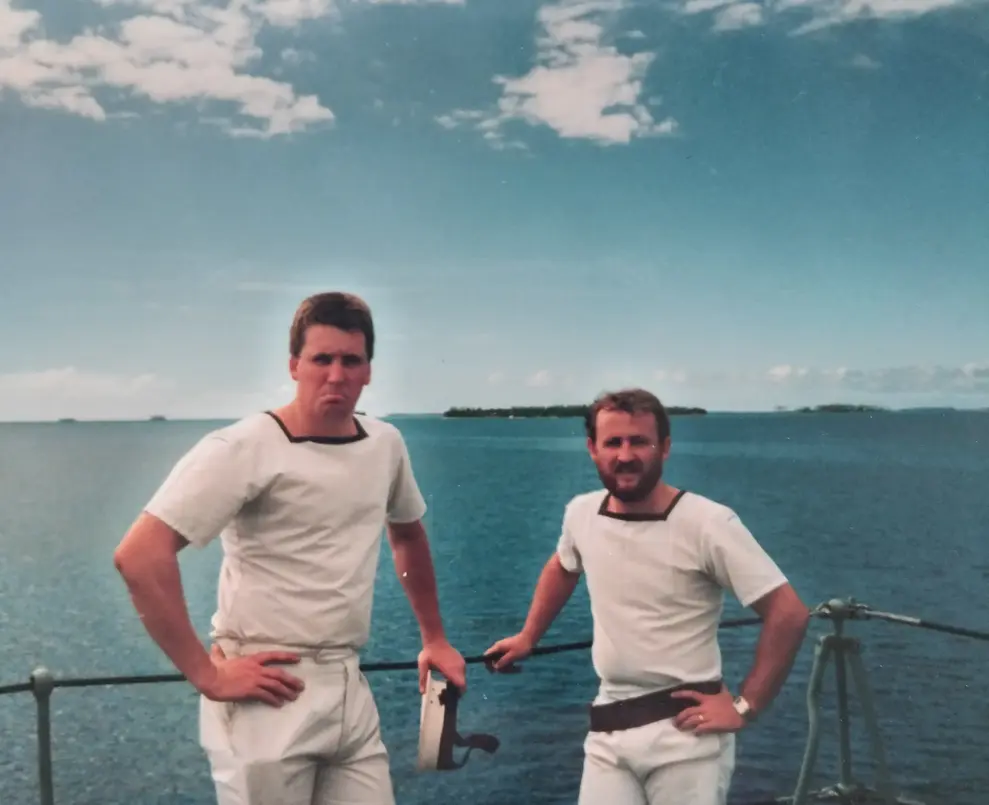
point(331, 355)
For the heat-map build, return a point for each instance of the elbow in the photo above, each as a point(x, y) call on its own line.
point(124, 563)
point(147, 547)
point(792, 621)
point(797, 620)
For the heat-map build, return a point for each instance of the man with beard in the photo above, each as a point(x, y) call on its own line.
point(657, 561)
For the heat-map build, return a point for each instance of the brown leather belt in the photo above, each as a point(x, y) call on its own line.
point(641, 710)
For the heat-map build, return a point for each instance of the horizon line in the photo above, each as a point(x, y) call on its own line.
point(440, 414)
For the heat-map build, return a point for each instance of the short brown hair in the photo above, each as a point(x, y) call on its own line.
point(345, 311)
point(631, 401)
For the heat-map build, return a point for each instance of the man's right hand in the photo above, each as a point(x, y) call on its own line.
point(512, 649)
point(250, 678)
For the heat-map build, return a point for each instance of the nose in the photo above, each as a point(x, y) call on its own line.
point(335, 372)
point(625, 452)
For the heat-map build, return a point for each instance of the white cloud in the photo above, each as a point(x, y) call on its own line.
point(540, 379)
point(189, 52)
point(582, 87)
point(169, 51)
point(71, 392)
point(972, 378)
point(864, 62)
point(738, 16)
point(735, 14)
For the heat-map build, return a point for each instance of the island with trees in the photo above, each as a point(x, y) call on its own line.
point(842, 408)
point(546, 411)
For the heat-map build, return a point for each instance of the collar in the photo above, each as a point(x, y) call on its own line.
point(438, 729)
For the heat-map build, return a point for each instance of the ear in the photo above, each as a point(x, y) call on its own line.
point(591, 447)
point(665, 448)
point(293, 367)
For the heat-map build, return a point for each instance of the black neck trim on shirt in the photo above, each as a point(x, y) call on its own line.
point(639, 516)
point(361, 433)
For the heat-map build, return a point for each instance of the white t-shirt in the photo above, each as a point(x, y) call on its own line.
point(656, 587)
point(300, 521)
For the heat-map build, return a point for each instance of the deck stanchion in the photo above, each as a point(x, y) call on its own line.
point(42, 686)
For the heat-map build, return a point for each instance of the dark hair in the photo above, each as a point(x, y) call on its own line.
point(631, 401)
point(344, 311)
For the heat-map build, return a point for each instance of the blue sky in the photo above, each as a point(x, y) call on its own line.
point(739, 205)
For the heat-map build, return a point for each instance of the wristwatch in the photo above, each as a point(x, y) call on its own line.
point(743, 708)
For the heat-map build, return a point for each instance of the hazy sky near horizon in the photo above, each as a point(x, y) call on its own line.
point(736, 204)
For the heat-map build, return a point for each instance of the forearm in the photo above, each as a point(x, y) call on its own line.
point(156, 590)
point(553, 590)
point(414, 566)
point(776, 650)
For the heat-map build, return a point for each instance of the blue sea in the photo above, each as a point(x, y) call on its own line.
point(889, 508)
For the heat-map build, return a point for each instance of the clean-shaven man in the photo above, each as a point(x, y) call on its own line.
point(300, 496)
point(657, 560)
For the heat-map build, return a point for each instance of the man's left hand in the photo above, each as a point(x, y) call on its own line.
point(441, 656)
point(714, 712)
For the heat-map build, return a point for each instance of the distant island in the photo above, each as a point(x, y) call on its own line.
point(841, 408)
point(545, 411)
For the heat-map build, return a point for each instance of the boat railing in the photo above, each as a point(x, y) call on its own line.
point(836, 647)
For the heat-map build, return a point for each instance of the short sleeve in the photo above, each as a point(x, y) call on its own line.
point(737, 561)
point(405, 501)
point(566, 546)
point(205, 490)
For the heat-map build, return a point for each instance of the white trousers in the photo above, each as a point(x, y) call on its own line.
point(324, 748)
point(657, 764)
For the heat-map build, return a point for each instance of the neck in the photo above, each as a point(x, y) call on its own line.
point(657, 502)
point(300, 423)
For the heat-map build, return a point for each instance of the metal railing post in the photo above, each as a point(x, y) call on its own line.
point(822, 655)
point(845, 651)
point(42, 686)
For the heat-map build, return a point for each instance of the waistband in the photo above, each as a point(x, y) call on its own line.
point(647, 709)
point(318, 654)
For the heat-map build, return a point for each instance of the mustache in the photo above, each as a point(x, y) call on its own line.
point(628, 466)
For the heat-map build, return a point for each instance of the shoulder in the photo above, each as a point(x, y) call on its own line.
point(378, 428)
point(702, 512)
point(382, 434)
point(245, 437)
point(385, 441)
point(243, 434)
point(253, 428)
point(584, 505)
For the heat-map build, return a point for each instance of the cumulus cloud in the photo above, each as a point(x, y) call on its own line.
point(71, 382)
point(731, 15)
point(167, 51)
point(582, 86)
point(971, 378)
point(416, 2)
point(540, 379)
point(863, 62)
point(192, 52)
point(69, 391)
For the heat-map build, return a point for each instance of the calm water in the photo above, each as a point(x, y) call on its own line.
point(891, 509)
